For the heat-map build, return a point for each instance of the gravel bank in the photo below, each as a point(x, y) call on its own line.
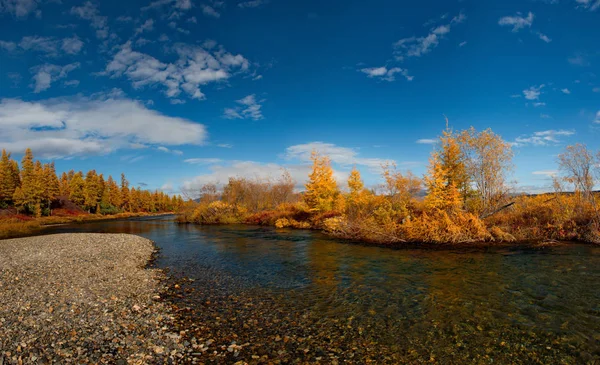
point(83, 298)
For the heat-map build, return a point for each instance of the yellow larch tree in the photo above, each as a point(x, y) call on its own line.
point(322, 192)
point(9, 180)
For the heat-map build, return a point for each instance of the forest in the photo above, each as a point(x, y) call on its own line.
point(465, 197)
point(33, 190)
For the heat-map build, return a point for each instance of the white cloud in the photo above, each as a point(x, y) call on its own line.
point(249, 108)
point(57, 128)
point(8, 46)
point(210, 11)
point(19, 8)
point(46, 74)
point(462, 44)
point(383, 73)
point(72, 45)
point(195, 67)
point(73, 83)
point(252, 3)
point(418, 46)
point(225, 145)
point(340, 155)
point(203, 161)
point(565, 91)
point(148, 26)
point(544, 37)
point(542, 138)
point(596, 90)
point(538, 104)
point(178, 7)
point(48, 45)
point(579, 59)
point(597, 117)
point(533, 93)
point(517, 22)
point(547, 173)
point(89, 11)
point(40, 44)
point(427, 141)
point(591, 5)
point(166, 150)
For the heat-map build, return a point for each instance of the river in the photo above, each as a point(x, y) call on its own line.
point(299, 296)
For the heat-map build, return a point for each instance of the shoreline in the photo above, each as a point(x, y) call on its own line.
point(102, 304)
point(531, 243)
point(14, 227)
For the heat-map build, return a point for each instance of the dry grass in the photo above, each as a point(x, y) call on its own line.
point(21, 225)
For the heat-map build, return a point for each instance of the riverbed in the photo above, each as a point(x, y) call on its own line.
point(259, 294)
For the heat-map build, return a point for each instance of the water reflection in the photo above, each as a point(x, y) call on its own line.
point(522, 305)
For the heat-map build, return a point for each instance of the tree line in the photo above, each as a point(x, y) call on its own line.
point(467, 197)
point(32, 187)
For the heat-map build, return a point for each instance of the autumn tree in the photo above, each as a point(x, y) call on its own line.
point(113, 193)
point(283, 190)
point(51, 184)
point(9, 180)
point(488, 161)
point(577, 163)
point(358, 197)
point(31, 192)
point(125, 194)
point(64, 184)
point(77, 189)
point(445, 177)
point(400, 188)
point(452, 158)
point(321, 193)
point(37, 189)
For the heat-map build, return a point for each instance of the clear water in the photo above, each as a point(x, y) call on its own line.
point(360, 303)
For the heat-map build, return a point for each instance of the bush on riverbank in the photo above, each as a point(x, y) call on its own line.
point(467, 199)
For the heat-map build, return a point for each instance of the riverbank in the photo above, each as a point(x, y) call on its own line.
point(83, 298)
point(22, 226)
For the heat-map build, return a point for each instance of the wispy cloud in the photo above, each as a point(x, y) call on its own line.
point(147, 26)
point(427, 141)
point(591, 5)
point(341, 155)
point(579, 59)
point(167, 150)
point(533, 93)
point(597, 120)
point(565, 91)
point(210, 11)
point(89, 11)
point(385, 74)
point(544, 37)
point(547, 173)
point(252, 3)
point(249, 108)
point(418, 46)
point(46, 74)
point(517, 21)
point(543, 138)
point(203, 161)
point(20, 8)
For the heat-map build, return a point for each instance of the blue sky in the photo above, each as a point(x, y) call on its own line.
point(177, 93)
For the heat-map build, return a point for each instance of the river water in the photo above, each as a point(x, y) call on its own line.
point(299, 296)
